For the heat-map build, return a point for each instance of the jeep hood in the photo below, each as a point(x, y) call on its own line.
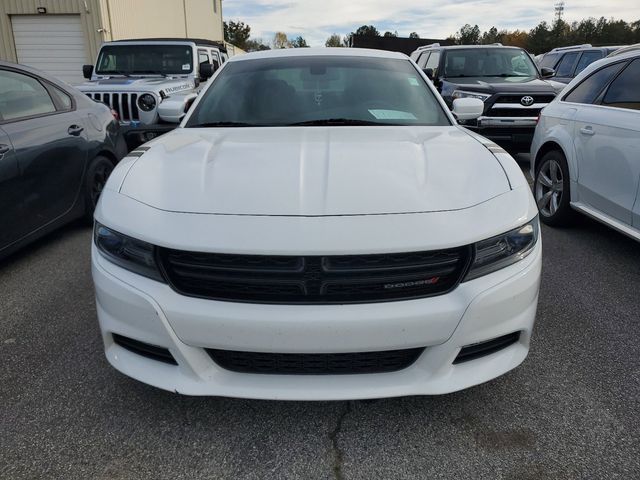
point(315, 171)
point(140, 85)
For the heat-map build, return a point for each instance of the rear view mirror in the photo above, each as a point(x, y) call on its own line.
point(547, 72)
point(467, 108)
point(428, 72)
point(87, 71)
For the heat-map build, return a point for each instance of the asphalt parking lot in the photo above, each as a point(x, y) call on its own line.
point(571, 410)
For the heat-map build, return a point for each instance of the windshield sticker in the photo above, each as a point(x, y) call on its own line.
point(186, 66)
point(413, 81)
point(392, 115)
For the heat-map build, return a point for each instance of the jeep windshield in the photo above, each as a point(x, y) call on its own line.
point(145, 60)
point(315, 91)
point(488, 62)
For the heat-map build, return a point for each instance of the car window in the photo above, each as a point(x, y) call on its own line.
point(422, 61)
point(145, 59)
point(22, 96)
point(203, 57)
point(549, 60)
point(293, 90)
point(61, 98)
point(586, 59)
point(565, 67)
point(489, 62)
point(623, 91)
point(433, 61)
point(589, 89)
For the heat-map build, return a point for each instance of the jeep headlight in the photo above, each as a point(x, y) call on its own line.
point(503, 250)
point(127, 252)
point(464, 94)
point(146, 102)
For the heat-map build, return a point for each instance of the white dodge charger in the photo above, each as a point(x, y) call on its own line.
point(319, 227)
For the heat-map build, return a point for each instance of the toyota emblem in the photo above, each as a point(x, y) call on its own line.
point(527, 101)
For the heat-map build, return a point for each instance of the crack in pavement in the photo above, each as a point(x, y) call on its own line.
point(338, 455)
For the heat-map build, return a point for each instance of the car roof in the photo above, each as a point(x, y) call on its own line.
point(319, 52)
point(197, 41)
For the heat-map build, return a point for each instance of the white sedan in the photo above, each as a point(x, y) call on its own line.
point(586, 148)
point(319, 227)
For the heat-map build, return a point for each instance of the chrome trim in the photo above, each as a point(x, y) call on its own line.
point(518, 105)
point(507, 121)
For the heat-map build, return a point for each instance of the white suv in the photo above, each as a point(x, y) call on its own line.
point(586, 149)
point(319, 227)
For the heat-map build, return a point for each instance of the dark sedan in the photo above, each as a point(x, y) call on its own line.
point(57, 148)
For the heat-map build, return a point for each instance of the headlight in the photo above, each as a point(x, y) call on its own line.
point(463, 94)
point(134, 255)
point(147, 102)
point(501, 251)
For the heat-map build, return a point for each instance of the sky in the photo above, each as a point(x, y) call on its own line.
point(315, 20)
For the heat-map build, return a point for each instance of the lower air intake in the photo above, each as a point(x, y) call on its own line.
point(144, 349)
point(472, 352)
point(315, 363)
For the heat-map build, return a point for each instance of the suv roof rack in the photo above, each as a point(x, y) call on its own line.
point(431, 45)
point(571, 47)
point(621, 50)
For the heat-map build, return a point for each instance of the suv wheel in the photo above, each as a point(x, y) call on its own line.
point(551, 189)
point(97, 174)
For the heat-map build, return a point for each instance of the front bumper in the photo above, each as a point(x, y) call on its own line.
point(488, 307)
point(513, 134)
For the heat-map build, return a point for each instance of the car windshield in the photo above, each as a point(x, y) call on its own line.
point(145, 59)
point(318, 91)
point(489, 62)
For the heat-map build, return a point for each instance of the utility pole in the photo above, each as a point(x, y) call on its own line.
point(559, 8)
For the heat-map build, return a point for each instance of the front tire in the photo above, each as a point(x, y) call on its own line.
point(551, 189)
point(96, 178)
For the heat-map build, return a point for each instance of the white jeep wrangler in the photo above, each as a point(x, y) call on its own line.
point(152, 82)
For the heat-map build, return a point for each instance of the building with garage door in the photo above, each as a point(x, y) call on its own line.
point(59, 36)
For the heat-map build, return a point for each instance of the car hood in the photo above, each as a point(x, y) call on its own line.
point(315, 171)
point(507, 84)
point(132, 84)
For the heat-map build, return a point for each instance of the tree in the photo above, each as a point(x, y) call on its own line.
point(468, 35)
point(390, 34)
point(517, 38)
point(280, 40)
point(491, 36)
point(367, 31)
point(256, 45)
point(414, 35)
point(333, 41)
point(299, 42)
point(237, 33)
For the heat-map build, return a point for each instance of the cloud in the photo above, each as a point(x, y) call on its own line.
point(316, 20)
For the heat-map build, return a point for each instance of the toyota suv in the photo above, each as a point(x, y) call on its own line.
point(506, 79)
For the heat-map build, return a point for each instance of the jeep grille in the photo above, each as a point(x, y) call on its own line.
point(126, 104)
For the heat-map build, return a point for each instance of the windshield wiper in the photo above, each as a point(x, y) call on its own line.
point(336, 122)
point(149, 72)
point(505, 75)
point(223, 124)
point(114, 72)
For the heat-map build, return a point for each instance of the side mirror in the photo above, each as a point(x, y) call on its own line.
point(467, 108)
point(87, 71)
point(547, 72)
point(206, 71)
point(428, 72)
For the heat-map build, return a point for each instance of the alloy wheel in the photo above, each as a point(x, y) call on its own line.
point(549, 188)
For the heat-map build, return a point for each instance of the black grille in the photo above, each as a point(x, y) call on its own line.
point(146, 350)
point(314, 279)
point(514, 112)
point(315, 363)
point(537, 98)
point(471, 352)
